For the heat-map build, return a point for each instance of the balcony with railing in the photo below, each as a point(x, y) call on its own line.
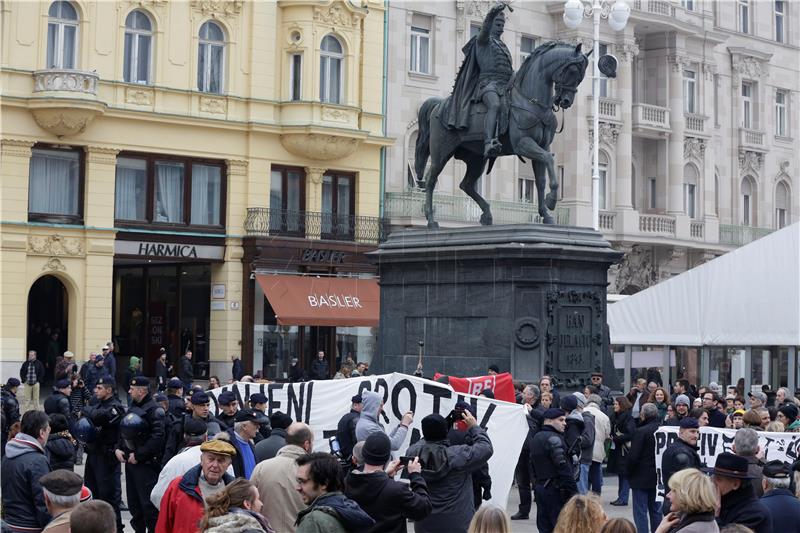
point(461, 209)
point(606, 220)
point(740, 235)
point(650, 119)
point(696, 124)
point(266, 222)
point(610, 109)
point(657, 224)
point(656, 7)
point(750, 139)
point(697, 230)
point(65, 101)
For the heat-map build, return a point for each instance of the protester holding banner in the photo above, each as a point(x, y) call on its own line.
point(372, 405)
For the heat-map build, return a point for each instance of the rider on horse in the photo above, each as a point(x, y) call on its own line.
point(483, 76)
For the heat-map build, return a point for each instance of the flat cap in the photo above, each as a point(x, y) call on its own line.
point(140, 381)
point(220, 447)
point(175, 383)
point(758, 394)
point(689, 423)
point(160, 398)
point(251, 415)
point(200, 398)
point(62, 482)
point(258, 398)
point(63, 383)
point(226, 398)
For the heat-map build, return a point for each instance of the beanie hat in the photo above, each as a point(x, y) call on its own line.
point(689, 423)
point(682, 399)
point(581, 399)
point(434, 427)
point(279, 420)
point(790, 411)
point(569, 403)
point(377, 449)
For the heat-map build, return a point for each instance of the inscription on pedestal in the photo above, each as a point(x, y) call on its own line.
point(574, 339)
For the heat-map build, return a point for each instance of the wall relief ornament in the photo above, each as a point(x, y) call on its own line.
point(637, 270)
point(337, 15)
point(335, 115)
point(54, 264)
point(608, 135)
point(694, 148)
point(63, 121)
point(217, 106)
point(628, 51)
point(139, 96)
point(679, 62)
point(710, 70)
point(783, 171)
point(750, 162)
point(218, 8)
point(55, 245)
point(750, 67)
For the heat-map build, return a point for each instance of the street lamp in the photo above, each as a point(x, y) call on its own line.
point(617, 14)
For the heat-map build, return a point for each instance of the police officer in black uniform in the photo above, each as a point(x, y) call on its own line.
point(200, 410)
point(229, 406)
point(103, 471)
point(177, 405)
point(140, 446)
point(555, 480)
point(58, 402)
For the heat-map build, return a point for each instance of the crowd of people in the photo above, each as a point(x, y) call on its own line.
point(242, 470)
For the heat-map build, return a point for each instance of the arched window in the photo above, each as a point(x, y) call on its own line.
point(690, 178)
point(330, 70)
point(782, 205)
point(138, 44)
point(211, 58)
point(62, 35)
point(603, 173)
point(748, 201)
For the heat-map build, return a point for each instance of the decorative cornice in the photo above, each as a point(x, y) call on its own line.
point(237, 167)
point(16, 147)
point(218, 8)
point(748, 63)
point(679, 62)
point(55, 245)
point(101, 154)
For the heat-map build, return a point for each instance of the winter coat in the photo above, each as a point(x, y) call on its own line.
point(642, 456)
point(162, 374)
point(58, 403)
point(696, 523)
point(333, 512)
point(59, 524)
point(368, 421)
point(277, 484)
point(587, 438)
point(450, 483)
point(182, 506)
point(602, 432)
point(187, 459)
point(174, 441)
point(10, 406)
point(61, 451)
point(110, 364)
point(319, 369)
point(297, 374)
point(676, 457)
point(388, 501)
point(237, 461)
point(572, 437)
point(268, 448)
point(23, 371)
point(621, 433)
point(23, 502)
point(185, 370)
point(237, 372)
point(783, 504)
point(742, 507)
point(716, 418)
point(756, 469)
point(238, 521)
point(93, 374)
point(346, 432)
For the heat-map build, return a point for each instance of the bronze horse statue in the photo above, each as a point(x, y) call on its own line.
point(546, 81)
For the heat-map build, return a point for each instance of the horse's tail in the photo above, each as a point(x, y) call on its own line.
point(422, 150)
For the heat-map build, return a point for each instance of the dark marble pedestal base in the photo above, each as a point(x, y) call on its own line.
point(529, 298)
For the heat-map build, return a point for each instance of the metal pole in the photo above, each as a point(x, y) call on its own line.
point(596, 9)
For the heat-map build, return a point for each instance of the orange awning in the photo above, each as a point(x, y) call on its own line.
point(322, 301)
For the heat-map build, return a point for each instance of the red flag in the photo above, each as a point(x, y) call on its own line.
point(502, 385)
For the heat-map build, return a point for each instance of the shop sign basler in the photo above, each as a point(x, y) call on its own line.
point(168, 250)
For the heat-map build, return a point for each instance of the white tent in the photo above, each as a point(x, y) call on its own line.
point(747, 297)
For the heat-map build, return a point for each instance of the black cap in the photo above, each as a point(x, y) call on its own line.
point(12, 382)
point(377, 449)
point(140, 381)
point(175, 383)
point(106, 382)
point(195, 427)
point(226, 398)
point(569, 403)
point(258, 398)
point(777, 469)
point(279, 420)
point(160, 397)
point(553, 413)
point(689, 423)
point(790, 411)
point(434, 427)
point(356, 399)
point(251, 415)
point(62, 482)
point(63, 383)
point(200, 398)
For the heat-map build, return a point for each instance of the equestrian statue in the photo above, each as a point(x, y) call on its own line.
point(494, 112)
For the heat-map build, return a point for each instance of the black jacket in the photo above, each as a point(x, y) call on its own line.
point(176, 406)
point(742, 507)
point(185, 370)
point(550, 461)
point(642, 457)
point(676, 457)
point(61, 452)
point(162, 374)
point(622, 428)
point(23, 371)
point(297, 374)
point(268, 448)
point(150, 445)
point(237, 371)
point(319, 369)
point(58, 402)
point(346, 433)
point(105, 416)
point(23, 502)
point(716, 418)
point(174, 435)
point(387, 501)
point(10, 406)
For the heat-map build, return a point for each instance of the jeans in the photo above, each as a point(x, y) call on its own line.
point(644, 504)
point(596, 477)
point(583, 479)
point(624, 489)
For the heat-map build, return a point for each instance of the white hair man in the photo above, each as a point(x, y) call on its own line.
point(782, 505)
point(62, 492)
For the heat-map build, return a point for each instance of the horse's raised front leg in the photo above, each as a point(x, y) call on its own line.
point(475, 166)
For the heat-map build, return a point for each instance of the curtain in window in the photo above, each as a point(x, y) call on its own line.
point(169, 192)
point(201, 67)
point(130, 195)
point(52, 36)
point(128, 57)
point(143, 59)
point(336, 80)
point(54, 182)
point(216, 69)
point(69, 47)
point(205, 195)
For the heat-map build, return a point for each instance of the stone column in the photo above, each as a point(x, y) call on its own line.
point(709, 214)
point(677, 124)
point(237, 201)
point(15, 166)
point(226, 323)
point(624, 84)
point(97, 300)
point(100, 182)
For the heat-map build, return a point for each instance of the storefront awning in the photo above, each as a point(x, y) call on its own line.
point(322, 301)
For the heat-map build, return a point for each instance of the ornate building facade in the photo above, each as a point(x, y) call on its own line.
point(699, 135)
point(157, 156)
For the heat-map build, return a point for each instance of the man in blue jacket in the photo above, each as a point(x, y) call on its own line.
point(782, 505)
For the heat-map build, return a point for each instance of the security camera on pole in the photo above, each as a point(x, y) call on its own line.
point(617, 14)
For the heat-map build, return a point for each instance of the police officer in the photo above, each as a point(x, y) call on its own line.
point(555, 480)
point(140, 446)
point(58, 402)
point(200, 410)
point(230, 405)
point(103, 471)
point(177, 405)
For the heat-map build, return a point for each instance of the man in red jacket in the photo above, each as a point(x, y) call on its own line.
point(182, 505)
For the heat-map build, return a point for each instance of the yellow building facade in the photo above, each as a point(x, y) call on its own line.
point(145, 143)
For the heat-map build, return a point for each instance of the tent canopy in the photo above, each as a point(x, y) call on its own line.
point(747, 297)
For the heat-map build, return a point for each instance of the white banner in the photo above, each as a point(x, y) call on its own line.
point(321, 404)
point(714, 441)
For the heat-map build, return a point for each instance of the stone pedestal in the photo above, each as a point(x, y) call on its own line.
point(529, 298)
